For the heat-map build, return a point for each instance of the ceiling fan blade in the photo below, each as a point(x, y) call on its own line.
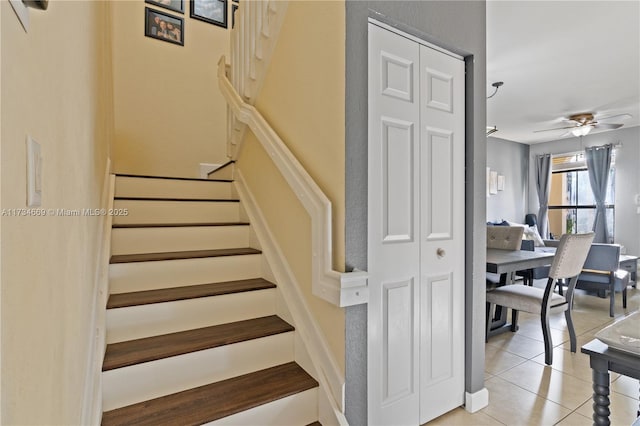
point(622, 117)
point(557, 128)
point(607, 126)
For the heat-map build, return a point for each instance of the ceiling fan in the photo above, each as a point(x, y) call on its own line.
point(581, 124)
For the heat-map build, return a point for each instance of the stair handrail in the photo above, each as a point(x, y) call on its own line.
point(339, 288)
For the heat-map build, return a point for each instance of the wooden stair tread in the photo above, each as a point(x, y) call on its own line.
point(147, 349)
point(177, 255)
point(216, 400)
point(315, 424)
point(172, 178)
point(188, 292)
point(199, 200)
point(177, 225)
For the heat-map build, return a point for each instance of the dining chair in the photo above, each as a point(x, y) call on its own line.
point(503, 238)
point(541, 272)
point(601, 271)
point(567, 264)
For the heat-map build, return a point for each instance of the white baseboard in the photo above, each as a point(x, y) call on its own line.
point(476, 401)
point(92, 398)
point(328, 373)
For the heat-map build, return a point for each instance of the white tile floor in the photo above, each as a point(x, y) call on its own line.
point(525, 391)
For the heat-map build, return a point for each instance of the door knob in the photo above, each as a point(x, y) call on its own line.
point(440, 252)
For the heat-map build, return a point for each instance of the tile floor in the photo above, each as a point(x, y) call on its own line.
point(524, 391)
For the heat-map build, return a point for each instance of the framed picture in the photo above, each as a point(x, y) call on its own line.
point(211, 11)
point(163, 26)
point(493, 182)
point(175, 5)
point(488, 181)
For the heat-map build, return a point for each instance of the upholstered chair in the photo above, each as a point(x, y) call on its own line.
point(503, 238)
point(602, 272)
point(567, 264)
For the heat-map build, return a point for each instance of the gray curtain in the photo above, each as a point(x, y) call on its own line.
point(543, 178)
point(598, 165)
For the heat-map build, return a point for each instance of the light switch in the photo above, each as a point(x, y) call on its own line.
point(34, 173)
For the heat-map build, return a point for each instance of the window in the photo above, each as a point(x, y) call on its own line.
point(571, 204)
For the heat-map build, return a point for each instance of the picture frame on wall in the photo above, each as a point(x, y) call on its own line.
point(211, 11)
point(163, 26)
point(175, 5)
point(488, 181)
point(493, 182)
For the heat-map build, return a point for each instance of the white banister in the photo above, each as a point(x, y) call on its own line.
point(339, 288)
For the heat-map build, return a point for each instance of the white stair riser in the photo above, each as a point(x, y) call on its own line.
point(141, 382)
point(168, 188)
point(136, 322)
point(144, 211)
point(139, 276)
point(158, 240)
point(295, 410)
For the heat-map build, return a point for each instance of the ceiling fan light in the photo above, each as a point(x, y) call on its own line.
point(581, 131)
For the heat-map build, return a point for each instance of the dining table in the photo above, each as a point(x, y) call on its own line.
point(508, 262)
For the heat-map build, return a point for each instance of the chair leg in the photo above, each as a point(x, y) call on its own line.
point(612, 299)
point(546, 333)
point(514, 320)
point(624, 298)
point(572, 331)
point(489, 321)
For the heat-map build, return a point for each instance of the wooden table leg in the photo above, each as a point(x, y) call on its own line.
point(600, 374)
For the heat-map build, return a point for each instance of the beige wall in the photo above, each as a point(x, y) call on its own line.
point(169, 114)
point(303, 100)
point(55, 84)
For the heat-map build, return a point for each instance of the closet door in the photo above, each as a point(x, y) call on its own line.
point(441, 233)
point(394, 241)
point(415, 231)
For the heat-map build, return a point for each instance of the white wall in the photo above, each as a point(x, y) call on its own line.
point(510, 159)
point(627, 220)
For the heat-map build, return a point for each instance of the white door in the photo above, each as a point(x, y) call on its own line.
point(416, 231)
point(441, 233)
point(393, 223)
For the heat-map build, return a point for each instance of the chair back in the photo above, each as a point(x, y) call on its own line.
point(603, 257)
point(531, 219)
point(528, 245)
point(570, 255)
point(504, 237)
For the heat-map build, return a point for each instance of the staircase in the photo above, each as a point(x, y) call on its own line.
point(193, 334)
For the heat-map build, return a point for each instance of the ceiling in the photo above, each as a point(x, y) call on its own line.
point(559, 58)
